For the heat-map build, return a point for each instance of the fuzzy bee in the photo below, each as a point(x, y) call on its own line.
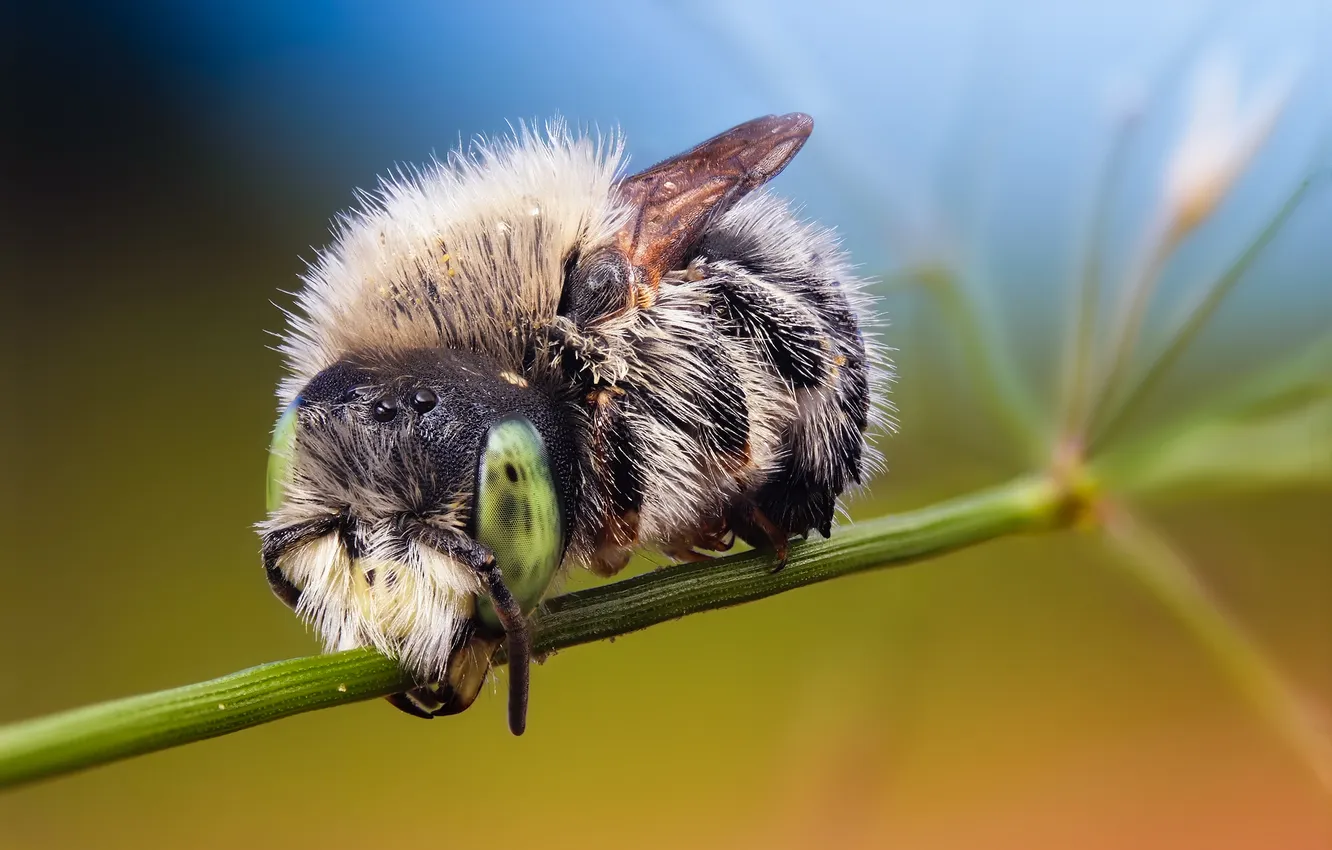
point(519, 360)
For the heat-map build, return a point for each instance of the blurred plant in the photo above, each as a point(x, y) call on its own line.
point(1273, 429)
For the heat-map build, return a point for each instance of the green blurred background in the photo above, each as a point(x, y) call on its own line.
point(171, 165)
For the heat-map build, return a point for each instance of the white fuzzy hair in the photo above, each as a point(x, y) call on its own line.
point(456, 254)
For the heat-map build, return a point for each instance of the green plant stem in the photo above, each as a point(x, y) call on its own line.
point(84, 737)
point(989, 362)
point(1081, 344)
point(992, 365)
point(1132, 312)
point(1272, 427)
point(1196, 317)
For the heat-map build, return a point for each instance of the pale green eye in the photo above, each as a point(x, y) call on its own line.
point(279, 456)
point(518, 515)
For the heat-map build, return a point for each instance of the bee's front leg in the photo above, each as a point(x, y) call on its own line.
point(585, 357)
point(468, 667)
point(284, 540)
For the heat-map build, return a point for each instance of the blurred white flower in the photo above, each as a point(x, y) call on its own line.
point(1219, 140)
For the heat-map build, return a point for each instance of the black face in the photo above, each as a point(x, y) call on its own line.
point(411, 431)
point(441, 450)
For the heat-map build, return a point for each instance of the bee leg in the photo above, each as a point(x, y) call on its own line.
point(423, 702)
point(716, 537)
point(752, 525)
point(685, 553)
point(468, 665)
point(583, 356)
point(702, 542)
point(609, 559)
point(278, 542)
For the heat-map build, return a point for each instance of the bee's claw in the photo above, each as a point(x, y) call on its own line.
point(755, 528)
point(780, 549)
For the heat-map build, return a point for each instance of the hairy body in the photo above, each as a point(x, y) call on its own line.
point(726, 388)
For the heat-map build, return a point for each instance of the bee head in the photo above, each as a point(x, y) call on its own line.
point(416, 502)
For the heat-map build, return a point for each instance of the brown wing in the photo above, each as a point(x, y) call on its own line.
point(672, 203)
point(674, 200)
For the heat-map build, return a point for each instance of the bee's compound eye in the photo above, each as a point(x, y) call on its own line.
point(424, 400)
point(385, 409)
point(518, 512)
point(279, 455)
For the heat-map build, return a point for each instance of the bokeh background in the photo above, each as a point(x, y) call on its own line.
point(169, 165)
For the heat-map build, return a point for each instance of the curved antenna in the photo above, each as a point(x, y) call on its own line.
point(517, 635)
point(517, 641)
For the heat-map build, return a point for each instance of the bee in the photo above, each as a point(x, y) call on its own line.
point(518, 360)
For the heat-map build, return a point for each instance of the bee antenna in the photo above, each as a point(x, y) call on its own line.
point(517, 644)
point(517, 635)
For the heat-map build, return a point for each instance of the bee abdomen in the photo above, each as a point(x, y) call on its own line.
point(824, 453)
point(785, 287)
point(712, 411)
point(723, 399)
point(786, 331)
